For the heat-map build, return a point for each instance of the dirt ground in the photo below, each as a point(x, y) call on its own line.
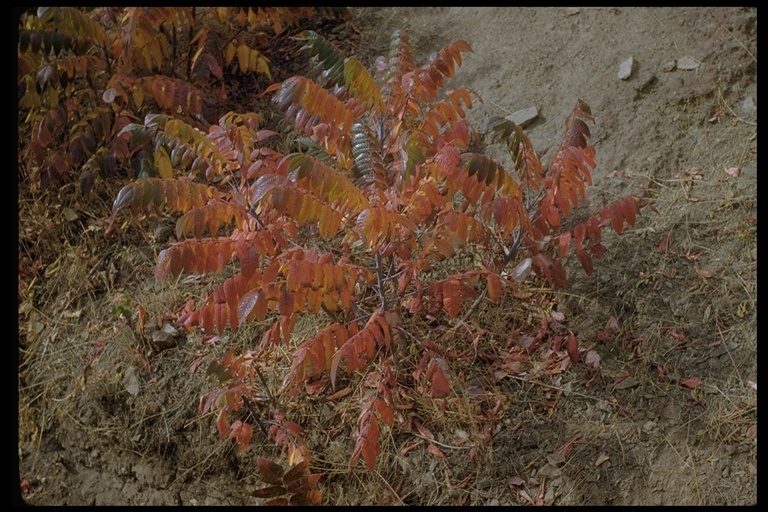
point(671, 418)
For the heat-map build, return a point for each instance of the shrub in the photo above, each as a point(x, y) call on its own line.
point(368, 223)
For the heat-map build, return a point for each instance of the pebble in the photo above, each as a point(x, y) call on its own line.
point(524, 117)
point(627, 383)
point(748, 106)
point(131, 381)
point(669, 65)
point(672, 412)
point(549, 471)
point(556, 459)
point(649, 425)
point(570, 11)
point(688, 63)
point(625, 69)
point(750, 172)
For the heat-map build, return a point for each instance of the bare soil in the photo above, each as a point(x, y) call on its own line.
point(671, 417)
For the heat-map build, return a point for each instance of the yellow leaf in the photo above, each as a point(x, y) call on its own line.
point(252, 18)
point(147, 54)
point(138, 96)
point(243, 54)
point(229, 54)
point(164, 167)
point(262, 66)
point(53, 97)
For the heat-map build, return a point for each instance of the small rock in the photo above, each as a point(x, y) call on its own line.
point(649, 425)
point(549, 471)
point(162, 233)
point(556, 459)
point(625, 68)
point(688, 63)
point(170, 329)
point(672, 412)
point(669, 64)
point(524, 117)
point(748, 106)
point(750, 172)
point(627, 383)
point(570, 11)
point(549, 495)
point(131, 381)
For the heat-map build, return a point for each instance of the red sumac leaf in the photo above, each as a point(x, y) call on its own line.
point(553, 217)
point(617, 218)
point(252, 305)
point(271, 472)
point(221, 424)
point(585, 260)
point(296, 472)
point(386, 412)
point(573, 348)
point(370, 445)
point(312, 497)
point(493, 282)
point(242, 433)
point(268, 492)
point(452, 297)
point(434, 450)
point(691, 383)
point(440, 386)
point(565, 242)
point(207, 317)
point(629, 208)
point(579, 232)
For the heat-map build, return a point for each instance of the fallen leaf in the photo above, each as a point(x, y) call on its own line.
point(733, 171)
point(691, 383)
point(592, 359)
point(339, 394)
point(664, 245)
point(601, 459)
point(424, 431)
point(704, 273)
point(558, 316)
point(434, 450)
point(567, 448)
point(516, 481)
point(752, 385)
point(572, 347)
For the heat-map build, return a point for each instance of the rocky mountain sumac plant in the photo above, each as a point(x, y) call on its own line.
point(367, 225)
point(86, 73)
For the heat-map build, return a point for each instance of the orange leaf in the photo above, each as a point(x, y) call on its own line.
point(691, 383)
point(440, 386)
point(573, 348)
point(565, 241)
point(452, 297)
point(221, 423)
point(664, 245)
point(493, 281)
point(434, 450)
point(339, 394)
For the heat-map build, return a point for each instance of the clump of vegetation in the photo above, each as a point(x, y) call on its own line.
point(369, 223)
